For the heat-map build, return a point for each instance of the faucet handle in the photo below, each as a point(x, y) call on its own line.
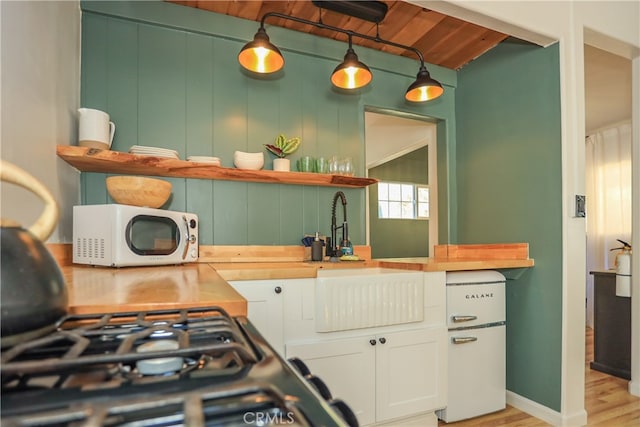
point(329, 247)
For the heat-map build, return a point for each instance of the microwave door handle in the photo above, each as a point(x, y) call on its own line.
point(186, 235)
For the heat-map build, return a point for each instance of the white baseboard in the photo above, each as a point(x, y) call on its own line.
point(634, 388)
point(423, 420)
point(546, 414)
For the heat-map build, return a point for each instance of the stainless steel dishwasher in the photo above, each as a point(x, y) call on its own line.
point(476, 323)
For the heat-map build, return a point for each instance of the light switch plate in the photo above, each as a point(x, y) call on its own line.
point(580, 206)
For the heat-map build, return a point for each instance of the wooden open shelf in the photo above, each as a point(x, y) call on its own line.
point(106, 161)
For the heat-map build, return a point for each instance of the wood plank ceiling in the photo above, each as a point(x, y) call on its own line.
point(443, 40)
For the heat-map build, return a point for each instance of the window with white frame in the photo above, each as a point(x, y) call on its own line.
point(400, 200)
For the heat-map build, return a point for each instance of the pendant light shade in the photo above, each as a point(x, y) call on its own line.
point(260, 56)
point(424, 88)
point(351, 73)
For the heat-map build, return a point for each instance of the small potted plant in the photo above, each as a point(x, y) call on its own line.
point(282, 147)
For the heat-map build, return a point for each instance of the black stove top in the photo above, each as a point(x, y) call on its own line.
point(194, 366)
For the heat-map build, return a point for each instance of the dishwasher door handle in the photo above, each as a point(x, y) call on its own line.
point(458, 319)
point(463, 340)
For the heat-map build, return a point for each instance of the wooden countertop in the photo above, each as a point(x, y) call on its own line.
point(456, 264)
point(281, 270)
point(247, 265)
point(263, 270)
point(446, 258)
point(298, 270)
point(105, 289)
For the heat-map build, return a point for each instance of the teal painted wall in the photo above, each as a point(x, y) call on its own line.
point(168, 76)
point(509, 190)
point(399, 237)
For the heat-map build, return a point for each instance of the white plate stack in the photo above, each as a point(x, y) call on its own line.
point(142, 150)
point(215, 161)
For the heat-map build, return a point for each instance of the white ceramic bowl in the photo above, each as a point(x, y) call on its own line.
point(244, 160)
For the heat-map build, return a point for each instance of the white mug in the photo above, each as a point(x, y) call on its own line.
point(95, 130)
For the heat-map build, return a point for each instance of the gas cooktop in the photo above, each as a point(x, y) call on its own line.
point(194, 366)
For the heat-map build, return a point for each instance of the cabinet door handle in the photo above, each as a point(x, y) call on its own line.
point(278, 289)
point(372, 342)
point(463, 340)
point(382, 340)
point(458, 319)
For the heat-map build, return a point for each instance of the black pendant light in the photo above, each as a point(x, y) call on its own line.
point(351, 73)
point(425, 88)
point(260, 56)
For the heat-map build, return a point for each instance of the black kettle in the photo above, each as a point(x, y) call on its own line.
point(33, 293)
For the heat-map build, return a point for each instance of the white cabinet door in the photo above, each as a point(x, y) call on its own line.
point(265, 308)
point(411, 372)
point(474, 391)
point(347, 367)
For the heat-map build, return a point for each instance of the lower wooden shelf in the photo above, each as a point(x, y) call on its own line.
point(106, 161)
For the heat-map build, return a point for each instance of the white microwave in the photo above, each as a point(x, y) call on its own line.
point(121, 235)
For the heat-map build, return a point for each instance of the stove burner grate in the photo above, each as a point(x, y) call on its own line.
point(195, 366)
point(206, 339)
point(238, 405)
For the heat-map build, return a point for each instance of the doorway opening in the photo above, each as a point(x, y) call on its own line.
point(402, 211)
point(609, 184)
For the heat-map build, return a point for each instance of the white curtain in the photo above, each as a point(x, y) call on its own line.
point(608, 187)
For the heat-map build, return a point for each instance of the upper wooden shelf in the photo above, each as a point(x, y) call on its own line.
point(106, 161)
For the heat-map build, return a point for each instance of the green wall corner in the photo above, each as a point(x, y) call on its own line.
point(509, 189)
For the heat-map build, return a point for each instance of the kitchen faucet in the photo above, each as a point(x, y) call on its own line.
point(333, 248)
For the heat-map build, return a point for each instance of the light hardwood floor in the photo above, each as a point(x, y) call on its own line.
point(607, 401)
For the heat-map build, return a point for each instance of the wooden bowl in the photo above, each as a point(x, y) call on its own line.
point(138, 191)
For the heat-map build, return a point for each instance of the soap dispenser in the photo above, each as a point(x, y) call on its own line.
point(316, 248)
point(347, 247)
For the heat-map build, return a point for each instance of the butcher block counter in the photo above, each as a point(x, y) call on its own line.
point(105, 289)
point(446, 258)
point(493, 256)
point(282, 270)
point(435, 264)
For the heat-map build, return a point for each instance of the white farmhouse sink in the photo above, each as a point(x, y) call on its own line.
point(357, 298)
